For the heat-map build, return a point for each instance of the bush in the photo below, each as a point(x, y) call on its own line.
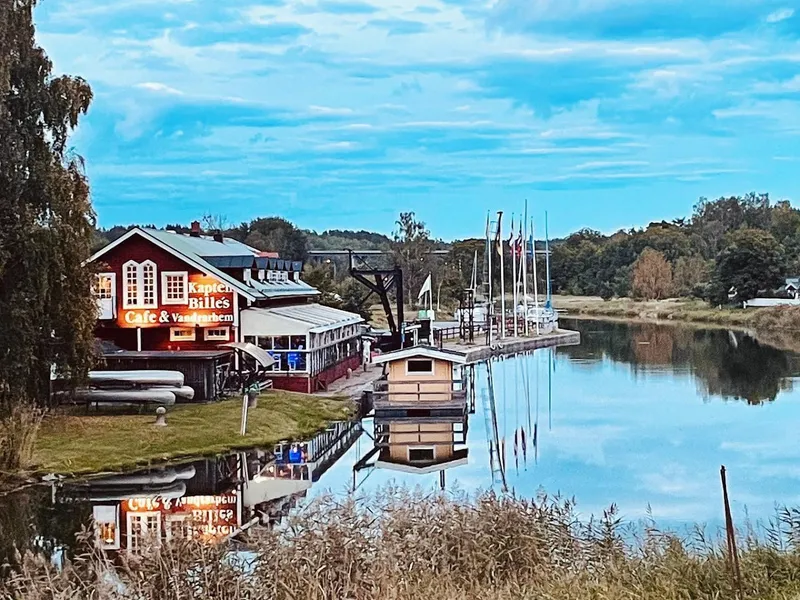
point(403, 545)
point(18, 431)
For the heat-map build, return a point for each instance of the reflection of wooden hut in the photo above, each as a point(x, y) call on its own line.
point(421, 445)
point(421, 380)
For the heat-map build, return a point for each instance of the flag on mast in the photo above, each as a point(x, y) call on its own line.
point(427, 287)
point(497, 241)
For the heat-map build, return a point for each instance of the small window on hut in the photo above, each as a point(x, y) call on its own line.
point(420, 366)
point(420, 454)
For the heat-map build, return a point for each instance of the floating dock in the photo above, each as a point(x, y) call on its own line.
point(476, 353)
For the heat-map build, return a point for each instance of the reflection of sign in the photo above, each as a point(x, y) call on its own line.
point(206, 517)
point(208, 303)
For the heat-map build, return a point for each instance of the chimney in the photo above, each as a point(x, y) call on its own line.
point(219, 238)
point(195, 229)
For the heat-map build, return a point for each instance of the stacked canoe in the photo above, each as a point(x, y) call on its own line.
point(134, 387)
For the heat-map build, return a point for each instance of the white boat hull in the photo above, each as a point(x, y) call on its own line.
point(153, 396)
point(139, 377)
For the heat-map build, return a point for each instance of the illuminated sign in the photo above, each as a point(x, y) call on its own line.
point(204, 517)
point(208, 303)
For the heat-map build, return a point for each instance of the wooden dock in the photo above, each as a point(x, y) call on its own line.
point(513, 345)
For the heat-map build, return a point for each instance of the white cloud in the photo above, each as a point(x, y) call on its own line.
point(329, 110)
point(154, 86)
point(780, 15)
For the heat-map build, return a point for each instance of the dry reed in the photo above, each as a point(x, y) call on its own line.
point(403, 545)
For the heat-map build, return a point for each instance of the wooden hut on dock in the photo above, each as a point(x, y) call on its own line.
point(421, 380)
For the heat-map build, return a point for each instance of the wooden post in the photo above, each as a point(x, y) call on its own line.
point(243, 428)
point(733, 555)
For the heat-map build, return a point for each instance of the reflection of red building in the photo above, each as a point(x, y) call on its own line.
point(161, 290)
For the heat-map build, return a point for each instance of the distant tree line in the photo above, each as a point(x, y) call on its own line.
point(740, 246)
point(733, 248)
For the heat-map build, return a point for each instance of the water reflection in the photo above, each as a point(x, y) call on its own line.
point(631, 416)
point(726, 364)
point(209, 499)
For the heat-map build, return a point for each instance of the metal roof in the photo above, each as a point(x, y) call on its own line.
point(204, 246)
point(231, 262)
point(211, 256)
point(424, 351)
point(296, 320)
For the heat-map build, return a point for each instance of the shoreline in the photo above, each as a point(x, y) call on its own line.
point(74, 446)
point(777, 327)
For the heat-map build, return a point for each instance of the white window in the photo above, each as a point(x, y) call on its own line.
point(174, 287)
point(104, 286)
point(217, 334)
point(283, 276)
point(272, 276)
point(144, 529)
point(181, 334)
point(140, 284)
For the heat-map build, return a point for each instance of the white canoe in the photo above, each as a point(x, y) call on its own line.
point(184, 392)
point(154, 396)
point(140, 377)
point(162, 477)
point(168, 492)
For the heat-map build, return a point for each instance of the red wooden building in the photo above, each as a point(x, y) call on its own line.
point(162, 290)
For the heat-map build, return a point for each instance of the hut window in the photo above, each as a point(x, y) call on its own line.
point(217, 334)
point(420, 454)
point(174, 287)
point(420, 366)
point(181, 334)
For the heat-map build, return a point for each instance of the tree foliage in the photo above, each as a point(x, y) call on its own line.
point(411, 249)
point(46, 219)
point(751, 261)
point(651, 276)
point(273, 234)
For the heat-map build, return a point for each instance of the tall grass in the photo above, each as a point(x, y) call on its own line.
point(18, 431)
point(402, 545)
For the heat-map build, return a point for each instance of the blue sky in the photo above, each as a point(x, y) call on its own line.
point(342, 113)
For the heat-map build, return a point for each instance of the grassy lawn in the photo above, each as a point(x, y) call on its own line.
point(80, 443)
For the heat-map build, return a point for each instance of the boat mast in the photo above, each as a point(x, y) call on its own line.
point(535, 277)
point(489, 303)
point(549, 303)
point(502, 275)
point(524, 242)
point(512, 247)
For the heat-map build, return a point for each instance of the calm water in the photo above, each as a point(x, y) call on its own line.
point(637, 415)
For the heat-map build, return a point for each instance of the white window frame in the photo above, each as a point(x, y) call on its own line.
point(272, 276)
point(139, 301)
point(431, 372)
point(165, 275)
point(143, 516)
point(126, 301)
point(209, 337)
point(112, 277)
point(174, 330)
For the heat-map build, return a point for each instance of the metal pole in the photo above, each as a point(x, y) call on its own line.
point(502, 276)
point(514, 278)
point(525, 269)
point(547, 259)
point(535, 277)
point(489, 251)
